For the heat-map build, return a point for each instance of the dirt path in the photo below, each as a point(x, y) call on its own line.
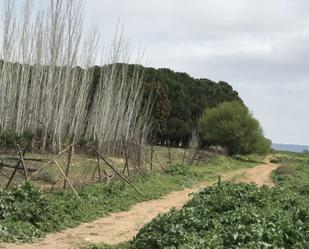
point(260, 175)
point(122, 226)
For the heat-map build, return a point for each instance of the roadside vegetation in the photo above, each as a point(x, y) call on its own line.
point(294, 171)
point(26, 214)
point(237, 215)
point(232, 216)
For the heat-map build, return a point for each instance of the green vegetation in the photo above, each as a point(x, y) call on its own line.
point(232, 216)
point(182, 99)
point(23, 213)
point(294, 172)
point(26, 214)
point(238, 215)
point(179, 100)
point(231, 125)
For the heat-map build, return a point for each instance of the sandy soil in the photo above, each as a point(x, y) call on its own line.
point(122, 226)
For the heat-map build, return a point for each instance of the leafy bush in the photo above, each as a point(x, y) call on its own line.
point(23, 212)
point(179, 170)
point(231, 125)
point(232, 216)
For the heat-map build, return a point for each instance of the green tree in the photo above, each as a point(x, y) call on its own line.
point(231, 125)
point(188, 97)
point(161, 106)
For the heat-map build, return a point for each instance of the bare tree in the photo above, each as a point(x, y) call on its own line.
point(45, 77)
point(193, 146)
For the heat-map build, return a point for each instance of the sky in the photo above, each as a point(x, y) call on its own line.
point(260, 47)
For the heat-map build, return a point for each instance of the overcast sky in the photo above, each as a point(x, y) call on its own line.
point(260, 47)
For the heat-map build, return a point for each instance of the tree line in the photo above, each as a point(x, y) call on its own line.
point(180, 101)
point(177, 100)
point(50, 87)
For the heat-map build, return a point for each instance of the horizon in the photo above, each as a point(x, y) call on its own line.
point(291, 144)
point(290, 147)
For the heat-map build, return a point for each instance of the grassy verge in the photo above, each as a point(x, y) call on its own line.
point(294, 172)
point(26, 214)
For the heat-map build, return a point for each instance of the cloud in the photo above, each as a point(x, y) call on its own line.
point(260, 47)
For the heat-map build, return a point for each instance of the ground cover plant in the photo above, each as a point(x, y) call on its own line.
point(27, 214)
point(23, 213)
point(232, 216)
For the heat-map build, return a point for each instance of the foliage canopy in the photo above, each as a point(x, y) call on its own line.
point(187, 99)
point(231, 125)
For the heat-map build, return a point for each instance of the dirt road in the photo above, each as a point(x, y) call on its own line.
point(122, 226)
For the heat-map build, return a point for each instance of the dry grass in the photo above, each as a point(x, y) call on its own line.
point(83, 167)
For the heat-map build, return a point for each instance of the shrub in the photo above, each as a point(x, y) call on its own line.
point(182, 173)
point(23, 212)
point(231, 125)
point(232, 216)
point(178, 169)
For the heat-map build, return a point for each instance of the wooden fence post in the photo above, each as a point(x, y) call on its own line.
point(17, 165)
point(151, 157)
point(118, 173)
point(71, 186)
point(68, 167)
point(184, 156)
point(22, 162)
point(169, 154)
